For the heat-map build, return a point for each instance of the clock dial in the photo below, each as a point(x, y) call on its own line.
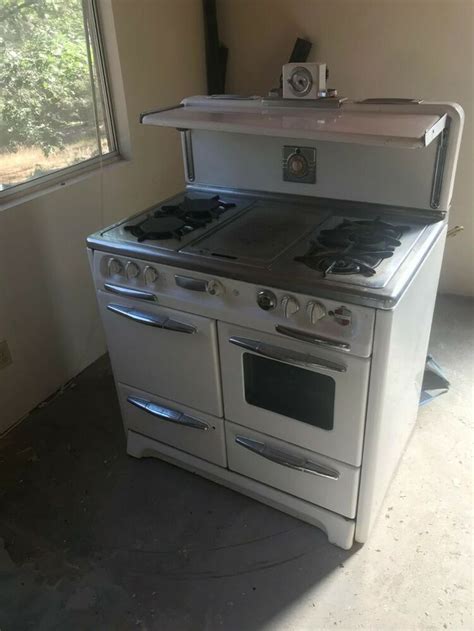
point(301, 81)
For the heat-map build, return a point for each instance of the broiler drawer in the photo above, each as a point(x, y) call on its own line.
point(299, 472)
point(173, 424)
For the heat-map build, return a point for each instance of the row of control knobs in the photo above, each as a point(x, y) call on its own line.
point(131, 270)
point(267, 301)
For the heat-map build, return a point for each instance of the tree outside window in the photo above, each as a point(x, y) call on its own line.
point(54, 106)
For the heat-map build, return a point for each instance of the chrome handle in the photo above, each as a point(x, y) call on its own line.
point(167, 414)
point(284, 355)
point(150, 319)
point(313, 339)
point(130, 293)
point(193, 284)
point(298, 463)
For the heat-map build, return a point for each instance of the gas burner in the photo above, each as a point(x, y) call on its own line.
point(174, 221)
point(353, 247)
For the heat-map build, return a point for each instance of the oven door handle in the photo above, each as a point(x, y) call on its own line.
point(298, 463)
point(150, 319)
point(127, 292)
point(167, 414)
point(312, 339)
point(285, 355)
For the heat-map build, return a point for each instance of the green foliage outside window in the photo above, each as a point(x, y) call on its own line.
point(45, 85)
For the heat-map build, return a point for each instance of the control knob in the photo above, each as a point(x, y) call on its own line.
point(290, 306)
point(150, 274)
point(214, 288)
point(316, 311)
point(114, 266)
point(266, 299)
point(132, 270)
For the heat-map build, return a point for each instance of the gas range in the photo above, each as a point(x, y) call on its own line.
point(348, 250)
point(275, 340)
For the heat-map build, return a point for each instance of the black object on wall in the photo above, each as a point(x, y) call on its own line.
point(300, 51)
point(216, 53)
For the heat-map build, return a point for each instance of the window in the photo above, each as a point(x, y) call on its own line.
point(55, 110)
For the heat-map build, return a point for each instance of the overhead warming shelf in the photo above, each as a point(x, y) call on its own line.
point(350, 123)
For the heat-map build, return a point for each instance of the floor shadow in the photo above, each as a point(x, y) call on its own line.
point(95, 539)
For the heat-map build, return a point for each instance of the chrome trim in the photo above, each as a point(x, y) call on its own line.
point(187, 146)
point(312, 338)
point(193, 284)
point(127, 292)
point(284, 355)
point(438, 173)
point(287, 460)
point(158, 111)
point(150, 319)
point(167, 414)
point(138, 316)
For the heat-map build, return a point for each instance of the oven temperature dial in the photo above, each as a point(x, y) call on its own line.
point(150, 274)
point(316, 311)
point(114, 266)
point(132, 270)
point(290, 306)
point(214, 288)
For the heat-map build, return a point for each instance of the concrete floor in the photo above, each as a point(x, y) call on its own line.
point(93, 539)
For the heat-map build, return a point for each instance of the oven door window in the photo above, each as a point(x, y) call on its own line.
point(291, 391)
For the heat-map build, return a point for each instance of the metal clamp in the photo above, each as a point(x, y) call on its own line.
point(312, 339)
point(284, 355)
point(127, 292)
point(167, 414)
point(150, 319)
point(298, 463)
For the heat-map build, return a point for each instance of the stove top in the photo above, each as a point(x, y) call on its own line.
point(325, 248)
point(174, 223)
point(353, 247)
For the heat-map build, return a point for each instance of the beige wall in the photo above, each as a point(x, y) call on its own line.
point(47, 304)
point(414, 48)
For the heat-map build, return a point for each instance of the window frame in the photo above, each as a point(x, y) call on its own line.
point(60, 177)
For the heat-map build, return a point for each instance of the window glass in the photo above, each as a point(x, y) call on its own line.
point(53, 103)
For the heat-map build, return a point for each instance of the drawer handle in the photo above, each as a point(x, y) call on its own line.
point(313, 339)
point(167, 414)
point(286, 459)
point(193, 284)
point(143, 317)
point(127, 292)
point(285, 355)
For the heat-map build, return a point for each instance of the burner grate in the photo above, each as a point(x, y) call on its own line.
point(353, 247)
point(174, 221)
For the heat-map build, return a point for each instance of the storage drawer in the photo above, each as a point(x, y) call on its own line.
point(161, 350)
point(194, 432)
point(305, 474)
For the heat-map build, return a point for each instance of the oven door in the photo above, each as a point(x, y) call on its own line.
point(165, 352)
point(295, 391)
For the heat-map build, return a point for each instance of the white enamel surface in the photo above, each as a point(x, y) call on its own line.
point(343, 171)
point(400, 346)
point(336, 125)
point(340, 530)
point(238, 304)
point(209, 444)
point(339, 495)
point(178, 366)
point(343, 442)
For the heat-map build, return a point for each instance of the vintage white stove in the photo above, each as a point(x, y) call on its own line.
point(268, 327)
